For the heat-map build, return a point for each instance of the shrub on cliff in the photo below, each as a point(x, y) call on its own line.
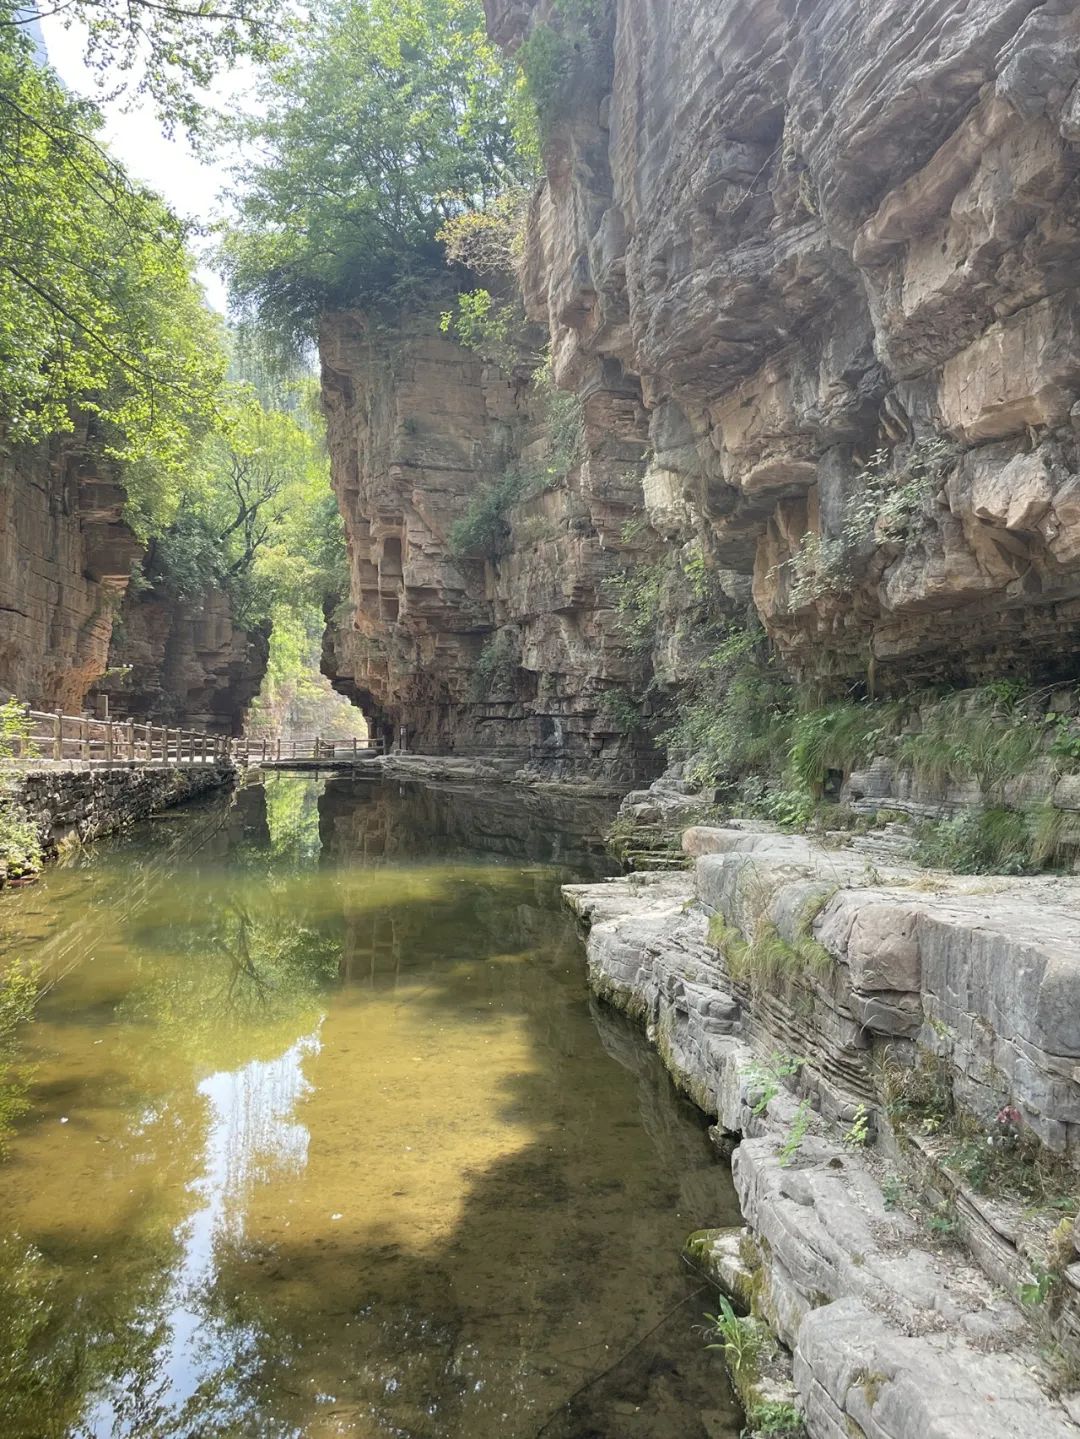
point(386, 119)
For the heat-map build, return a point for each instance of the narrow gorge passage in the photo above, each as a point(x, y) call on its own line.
point(324, 1137)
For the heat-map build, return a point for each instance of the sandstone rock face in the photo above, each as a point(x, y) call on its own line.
point(65, 561)
point(507, 658)
point(799, 235)
point(185, 664)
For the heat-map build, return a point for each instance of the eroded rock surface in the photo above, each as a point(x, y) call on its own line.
point(807, 233)
point(504, 658)
point(893, 1333)
point(65, 562)
point(188, 664)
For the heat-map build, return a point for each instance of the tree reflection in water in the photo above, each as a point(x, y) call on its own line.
point(325, 1141)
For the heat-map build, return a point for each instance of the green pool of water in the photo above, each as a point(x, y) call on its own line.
point(324, 1137)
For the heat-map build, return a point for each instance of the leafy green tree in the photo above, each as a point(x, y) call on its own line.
point(157, 49)
point(257, 516)
point(386, 119)
point(100, 317)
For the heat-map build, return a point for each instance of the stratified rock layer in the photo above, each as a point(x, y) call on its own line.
point(894, 1336)
point(806, 233)
point(506, 657)
point(187, 664)
point(65, 561)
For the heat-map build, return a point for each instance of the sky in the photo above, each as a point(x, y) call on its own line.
point(190, 185)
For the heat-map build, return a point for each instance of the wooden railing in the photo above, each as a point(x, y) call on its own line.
point(77, 739)
point(71, 740)
point(275, 750)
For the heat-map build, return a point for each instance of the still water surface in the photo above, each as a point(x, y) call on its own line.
point(324, 1137)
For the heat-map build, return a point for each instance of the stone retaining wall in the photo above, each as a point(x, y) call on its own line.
point(89, 803)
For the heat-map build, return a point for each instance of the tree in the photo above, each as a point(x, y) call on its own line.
point(100, 318)
point(387, 119)
point(166, 51)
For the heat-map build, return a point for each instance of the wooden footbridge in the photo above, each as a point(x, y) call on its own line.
point(48, 740)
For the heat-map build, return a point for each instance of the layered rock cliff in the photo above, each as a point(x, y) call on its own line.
point(72, 628)
point(511, 656)
point(189, 664)
point(812, 271)
point(65, 561)
point(836, 247)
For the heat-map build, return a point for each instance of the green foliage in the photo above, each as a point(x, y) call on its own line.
point(484, 324)
point(838, 737)
point(887, 501)
point(742, 1341)
point(775, 1419)
point(100, 319)
point(734, 717)
point(985, 841)
point(296, 699)
point(767, 1077)
point(163, 51)
point(257, 518)
point(384, 120)
point(635, 597)
point(1044, 1281)
point(483, 531)
point(789, 1150)
point(559, 58)
point(20, 849)
point(621, 711)
point(973, 736)
point(497, 665)
point(857, 1135)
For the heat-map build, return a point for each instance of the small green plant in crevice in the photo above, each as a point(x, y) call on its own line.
point(483, 532)
point(1038, 1291)
point(767, 961)
point(774, 1419)
point(886, 505)
point(943, 1222)
point(496, 665)
point(621, 711)
point(765, 1078)
point(789, 1150)
point(635, 594)
point(892, 1192)
point(857, 1135)
point(741, 1340)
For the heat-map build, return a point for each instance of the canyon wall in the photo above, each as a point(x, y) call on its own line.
point(65, 562)
point(836, 246)
point(508, 657)
point(189, 664)
point(73, 628)
point(811, 268)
